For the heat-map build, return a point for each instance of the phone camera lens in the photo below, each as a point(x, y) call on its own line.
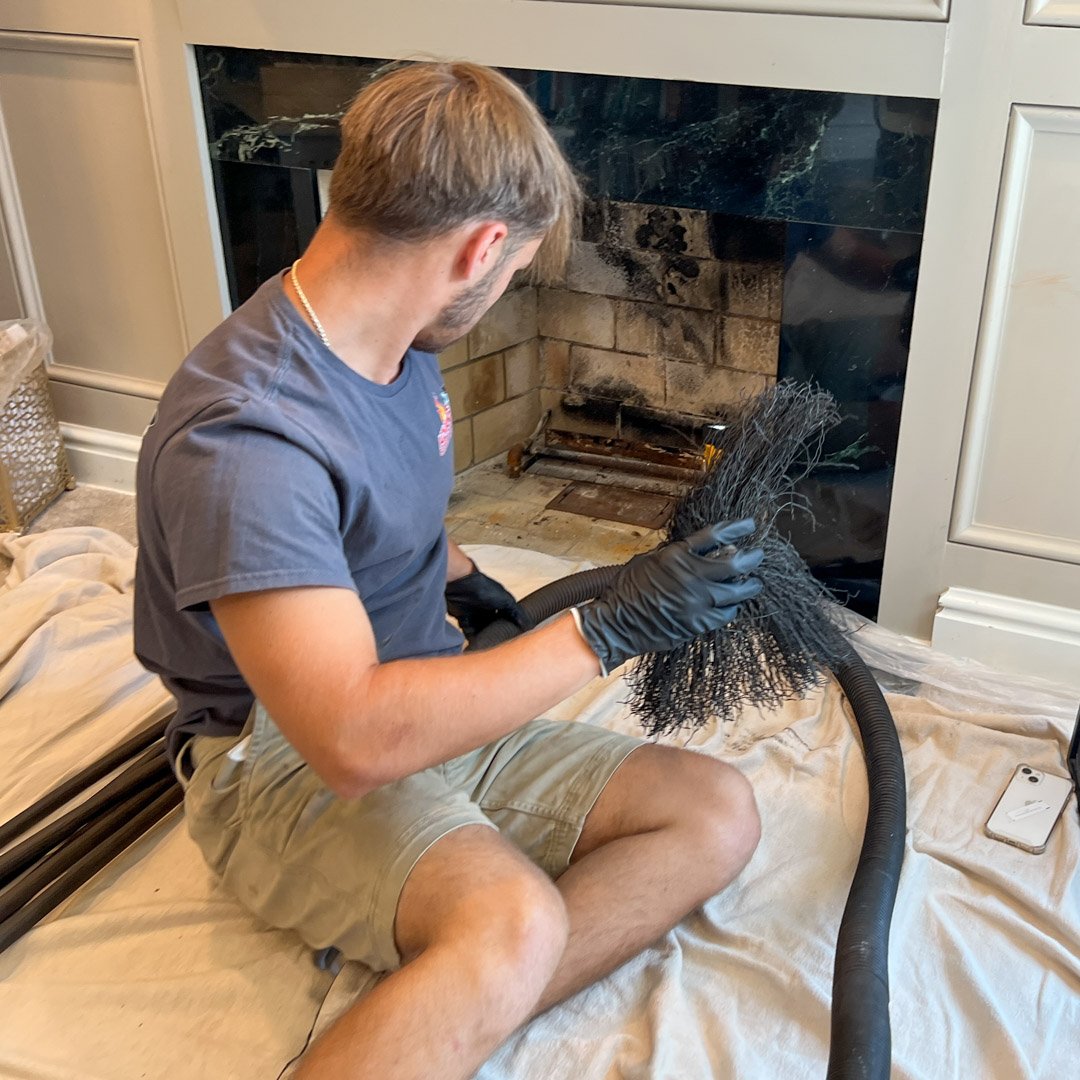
point(1033, 779)
point(1026, 771)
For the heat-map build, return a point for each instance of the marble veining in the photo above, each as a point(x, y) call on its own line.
point(787, 155)
point(250, 142)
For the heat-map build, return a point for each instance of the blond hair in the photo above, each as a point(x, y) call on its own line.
point(431, 146)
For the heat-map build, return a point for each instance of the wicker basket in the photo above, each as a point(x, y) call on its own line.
point(33, 463)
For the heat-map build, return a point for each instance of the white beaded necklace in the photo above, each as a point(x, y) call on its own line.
point(307, 306)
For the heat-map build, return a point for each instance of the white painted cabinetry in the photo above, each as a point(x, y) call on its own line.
point(108, 229)
point(985, 532)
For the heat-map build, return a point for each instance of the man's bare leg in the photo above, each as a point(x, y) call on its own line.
point(481, 931)
point(671, 829)
point(488, 933)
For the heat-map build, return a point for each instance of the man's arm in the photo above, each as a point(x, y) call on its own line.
point(458, 564)
point(309, 656)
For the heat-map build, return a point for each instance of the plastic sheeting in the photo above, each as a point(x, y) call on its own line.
point(24, 344)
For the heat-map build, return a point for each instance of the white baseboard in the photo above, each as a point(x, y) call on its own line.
point(1010, 634)
point(102, 458)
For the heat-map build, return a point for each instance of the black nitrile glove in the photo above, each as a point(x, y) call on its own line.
point(476, 600)
point(666, 597)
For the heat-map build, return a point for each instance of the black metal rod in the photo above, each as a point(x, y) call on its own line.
point(617, 461)
point(80, 871)
point(14, 861)
point(75, 785)
point(98, 834)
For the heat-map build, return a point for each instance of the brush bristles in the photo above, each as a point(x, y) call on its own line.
point(780, 643)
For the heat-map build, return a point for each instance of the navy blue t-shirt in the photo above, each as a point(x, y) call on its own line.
point(272, 464)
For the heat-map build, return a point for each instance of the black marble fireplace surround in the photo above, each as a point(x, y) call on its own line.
point(804, 207)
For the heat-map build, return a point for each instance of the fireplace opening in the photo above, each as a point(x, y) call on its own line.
point(732, 236)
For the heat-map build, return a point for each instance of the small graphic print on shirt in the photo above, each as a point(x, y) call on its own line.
point(446, 420)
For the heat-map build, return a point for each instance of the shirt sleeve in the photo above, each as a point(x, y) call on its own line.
point(243, 506)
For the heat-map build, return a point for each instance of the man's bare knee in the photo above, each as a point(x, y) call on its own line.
point(724, 819)
point(507, 942)
point(478, 902)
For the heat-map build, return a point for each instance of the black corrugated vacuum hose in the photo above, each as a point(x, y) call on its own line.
point(861, 1042)
point(860, 1047)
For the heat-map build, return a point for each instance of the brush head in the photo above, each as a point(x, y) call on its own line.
point(781, 642)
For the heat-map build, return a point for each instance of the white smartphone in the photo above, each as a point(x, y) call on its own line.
point(1029, 808)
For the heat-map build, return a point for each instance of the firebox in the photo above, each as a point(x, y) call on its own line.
point(731, 236)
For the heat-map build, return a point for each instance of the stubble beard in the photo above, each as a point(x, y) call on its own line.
point(462, 313)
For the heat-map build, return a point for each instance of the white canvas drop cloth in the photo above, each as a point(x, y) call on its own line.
point(151, 971)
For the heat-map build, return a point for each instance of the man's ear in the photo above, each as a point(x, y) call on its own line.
point(480, 249)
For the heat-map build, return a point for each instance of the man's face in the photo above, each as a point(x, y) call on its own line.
point(466, 309)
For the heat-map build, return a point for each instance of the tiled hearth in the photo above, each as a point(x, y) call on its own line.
point(487, 507)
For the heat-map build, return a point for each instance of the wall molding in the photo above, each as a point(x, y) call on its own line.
point(1000, 538)
point(22, 258)
point(902, 57)
point(126, 49)
point(102, 458)
point(935, 10)
point(78, 44)
point(1052, 13)
point(1022, 636)
point(106, 380)
point(991, 330)
point(1025, 122)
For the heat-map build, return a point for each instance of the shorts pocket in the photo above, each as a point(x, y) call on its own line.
point(232, 768)
point(216, 799)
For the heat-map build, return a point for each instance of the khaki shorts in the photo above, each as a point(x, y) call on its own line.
point(332, 869)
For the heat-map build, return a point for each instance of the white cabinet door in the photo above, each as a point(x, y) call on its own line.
point(86, 182)
point(1021, 455)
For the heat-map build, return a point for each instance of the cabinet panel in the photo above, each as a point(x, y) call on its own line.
point(752, 47)
point(1021, 442)
point(84, 173)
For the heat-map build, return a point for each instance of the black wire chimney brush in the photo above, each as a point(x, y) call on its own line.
point(782, 641)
